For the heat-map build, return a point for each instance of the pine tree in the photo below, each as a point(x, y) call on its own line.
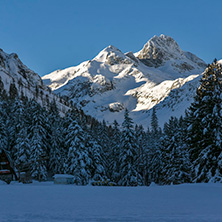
point(97, 157)
point(38, 141)
point(141, 141)
point(174, 155)
point(22, 150)
point(17, 122)
point(154, 123)
point(56, 152)
point(101, 135)
point(78, 161)
point(153, 152)
point(114, 170)
point(128, 154)
point(3, 132)
point(56, 141)
point(205, 127)
point(154, 162)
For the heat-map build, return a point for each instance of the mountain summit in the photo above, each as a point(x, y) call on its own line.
point(114, 80)
point(158, 50)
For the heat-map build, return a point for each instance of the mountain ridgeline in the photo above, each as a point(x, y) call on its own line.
point(113, 81)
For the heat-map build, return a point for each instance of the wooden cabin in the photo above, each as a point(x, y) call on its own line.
point(63, 179)
point(7, 171)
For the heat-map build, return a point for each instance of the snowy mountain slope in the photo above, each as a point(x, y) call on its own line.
point(174, 104)
point(27, 82)
point(112, 81)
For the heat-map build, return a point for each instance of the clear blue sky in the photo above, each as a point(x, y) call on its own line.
point(52, 34)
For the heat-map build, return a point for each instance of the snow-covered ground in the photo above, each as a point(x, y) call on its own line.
point(64, 203)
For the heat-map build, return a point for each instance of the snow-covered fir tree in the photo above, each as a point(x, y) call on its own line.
point(97, 157)
point(56, 141)
point(128, 154)
point(154, 122)
point(38, 141)
point(205, 127)
point(141, 141)
point(78, 161)
point(153, 152)
point(101, 134)
point(17, 121)
point(22, 150)
point(174, 154)
point(114, 171)
point(3, 130)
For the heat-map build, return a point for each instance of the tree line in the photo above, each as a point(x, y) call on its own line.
point(186, 150)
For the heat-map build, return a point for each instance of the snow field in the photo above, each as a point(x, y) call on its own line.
point(63, 203)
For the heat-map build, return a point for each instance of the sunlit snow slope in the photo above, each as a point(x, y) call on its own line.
point(104, 86)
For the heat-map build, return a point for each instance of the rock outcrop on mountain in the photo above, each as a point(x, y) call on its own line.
point(112, 81)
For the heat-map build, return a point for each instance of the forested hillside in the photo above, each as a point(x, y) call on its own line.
point(185, 150)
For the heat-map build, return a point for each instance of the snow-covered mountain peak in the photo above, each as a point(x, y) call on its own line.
point(112, 56)
point(112, 81)
point(112, 48)
point(165, 42)
point(160, 50)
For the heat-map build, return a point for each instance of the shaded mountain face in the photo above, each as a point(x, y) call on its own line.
point(12, 67)
point(112, 81)
point(27, 82)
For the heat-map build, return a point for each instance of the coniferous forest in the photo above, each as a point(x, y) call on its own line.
point(186, 150)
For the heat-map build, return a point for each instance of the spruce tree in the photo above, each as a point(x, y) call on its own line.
point(56, 152)
point(78, 160)
point(153, 152)
point(56, 140)
point(141, 141)
point(128, 154)
point(97, 158)
point(205, 127)
point(174, 155)
point(154, 123)
point(3, 132)
point(38, 141)
point(114, 170)
point(22, 150)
